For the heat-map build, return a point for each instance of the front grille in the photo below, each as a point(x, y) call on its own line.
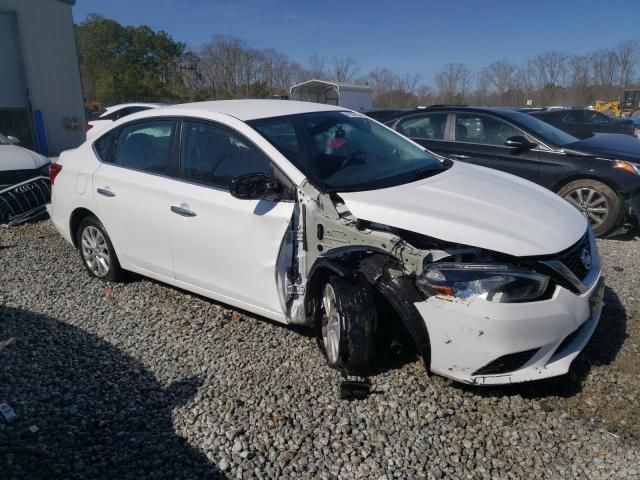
point(506, 363)
point(13, 177)
point(572, 257)
point(21, 199)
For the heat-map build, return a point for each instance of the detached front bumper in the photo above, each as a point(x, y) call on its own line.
point(538, 339)
point(24, 201)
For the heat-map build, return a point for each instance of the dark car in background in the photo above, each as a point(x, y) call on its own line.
point(583, 123)
point(600, 175)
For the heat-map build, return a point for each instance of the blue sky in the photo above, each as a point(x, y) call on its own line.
point(411, 36)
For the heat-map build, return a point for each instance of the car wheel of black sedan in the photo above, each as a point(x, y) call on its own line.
point(599, 204)
point(96, 250)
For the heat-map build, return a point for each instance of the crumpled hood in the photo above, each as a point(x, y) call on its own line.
point(13, 157)
point(609, 145)
point(476, 206)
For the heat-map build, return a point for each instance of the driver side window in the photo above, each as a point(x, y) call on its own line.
point(213, 155)
point(483, 129)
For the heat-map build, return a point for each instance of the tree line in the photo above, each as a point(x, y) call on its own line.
point(134, 63)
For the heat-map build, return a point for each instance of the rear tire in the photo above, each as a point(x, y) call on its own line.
point(96, 251)
point(599, 204)
point(347, 324)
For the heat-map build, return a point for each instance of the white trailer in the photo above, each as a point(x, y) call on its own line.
point(355, 97)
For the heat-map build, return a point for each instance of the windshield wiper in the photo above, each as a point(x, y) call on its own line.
point(427, 172)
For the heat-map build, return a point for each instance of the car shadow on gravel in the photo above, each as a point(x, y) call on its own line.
point(85, 409)
point(602, 349)
point(626, 236)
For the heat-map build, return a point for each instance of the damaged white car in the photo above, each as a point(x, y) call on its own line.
point(314, 215)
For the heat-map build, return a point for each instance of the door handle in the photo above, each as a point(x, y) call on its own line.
point(185, 212)
point(105, 192)
point(458, 155)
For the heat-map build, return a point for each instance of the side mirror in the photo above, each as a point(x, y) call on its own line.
point(519, 143)
point(13, 140)
point(255, 186)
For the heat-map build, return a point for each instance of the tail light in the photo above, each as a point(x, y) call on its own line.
point(54, 170)
point(89, 127)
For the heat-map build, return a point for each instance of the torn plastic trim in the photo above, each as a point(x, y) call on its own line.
point(401, 293)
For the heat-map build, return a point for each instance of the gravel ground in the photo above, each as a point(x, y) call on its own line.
point(140, 380)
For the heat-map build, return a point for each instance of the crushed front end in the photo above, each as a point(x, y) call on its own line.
point(476, 316)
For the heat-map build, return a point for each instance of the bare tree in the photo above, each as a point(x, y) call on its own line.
point(578, 79)
point(550, 68)
point(605, 67)
point(628, 53)
point(317, 67)
point(344, 69)
point(453, 82)
point(500, 75)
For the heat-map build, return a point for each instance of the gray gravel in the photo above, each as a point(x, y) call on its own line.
point(140, 380)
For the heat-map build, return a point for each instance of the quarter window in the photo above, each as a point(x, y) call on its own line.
point(146, 146)
point(483, 129)
point(429, 126)
point(214, 156)
point(104, 146)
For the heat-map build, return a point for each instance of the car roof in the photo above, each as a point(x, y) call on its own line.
point(254, 109)
point(504, 111)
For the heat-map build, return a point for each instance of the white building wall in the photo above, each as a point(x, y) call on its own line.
point(46, 32)
point(356, 100)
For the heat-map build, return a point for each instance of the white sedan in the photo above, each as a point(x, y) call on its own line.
point(316, 215)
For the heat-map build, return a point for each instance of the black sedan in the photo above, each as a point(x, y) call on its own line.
point(583, 123)
point(599, 175)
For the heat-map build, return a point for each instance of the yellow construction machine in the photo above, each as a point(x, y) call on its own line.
point(629, 105)
point(610, 108)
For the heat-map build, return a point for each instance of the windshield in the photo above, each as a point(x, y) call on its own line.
point(4, 140)
point(547, 132)
point(346, 151)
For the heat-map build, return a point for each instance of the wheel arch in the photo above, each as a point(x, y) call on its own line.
point(398, 291)
point(586, 176)
point(76, 218)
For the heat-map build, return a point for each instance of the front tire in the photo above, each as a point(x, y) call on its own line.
point(599, 204)
point(348, 320)
point(96, 250)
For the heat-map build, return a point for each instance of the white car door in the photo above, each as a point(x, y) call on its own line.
point(223, 245)
point(131, 188)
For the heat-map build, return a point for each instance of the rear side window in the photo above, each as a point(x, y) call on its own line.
point(214, 156)
point(429, 126)
point(575, 117)
point(146, 146)
point(123, 112)
point(132, 110)
point(104, 146)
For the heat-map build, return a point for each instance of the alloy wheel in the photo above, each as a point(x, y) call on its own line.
point(95, 251)
point(330, 323)
point(591, 203)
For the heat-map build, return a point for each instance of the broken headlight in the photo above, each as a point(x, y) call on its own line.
point(494, 283)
